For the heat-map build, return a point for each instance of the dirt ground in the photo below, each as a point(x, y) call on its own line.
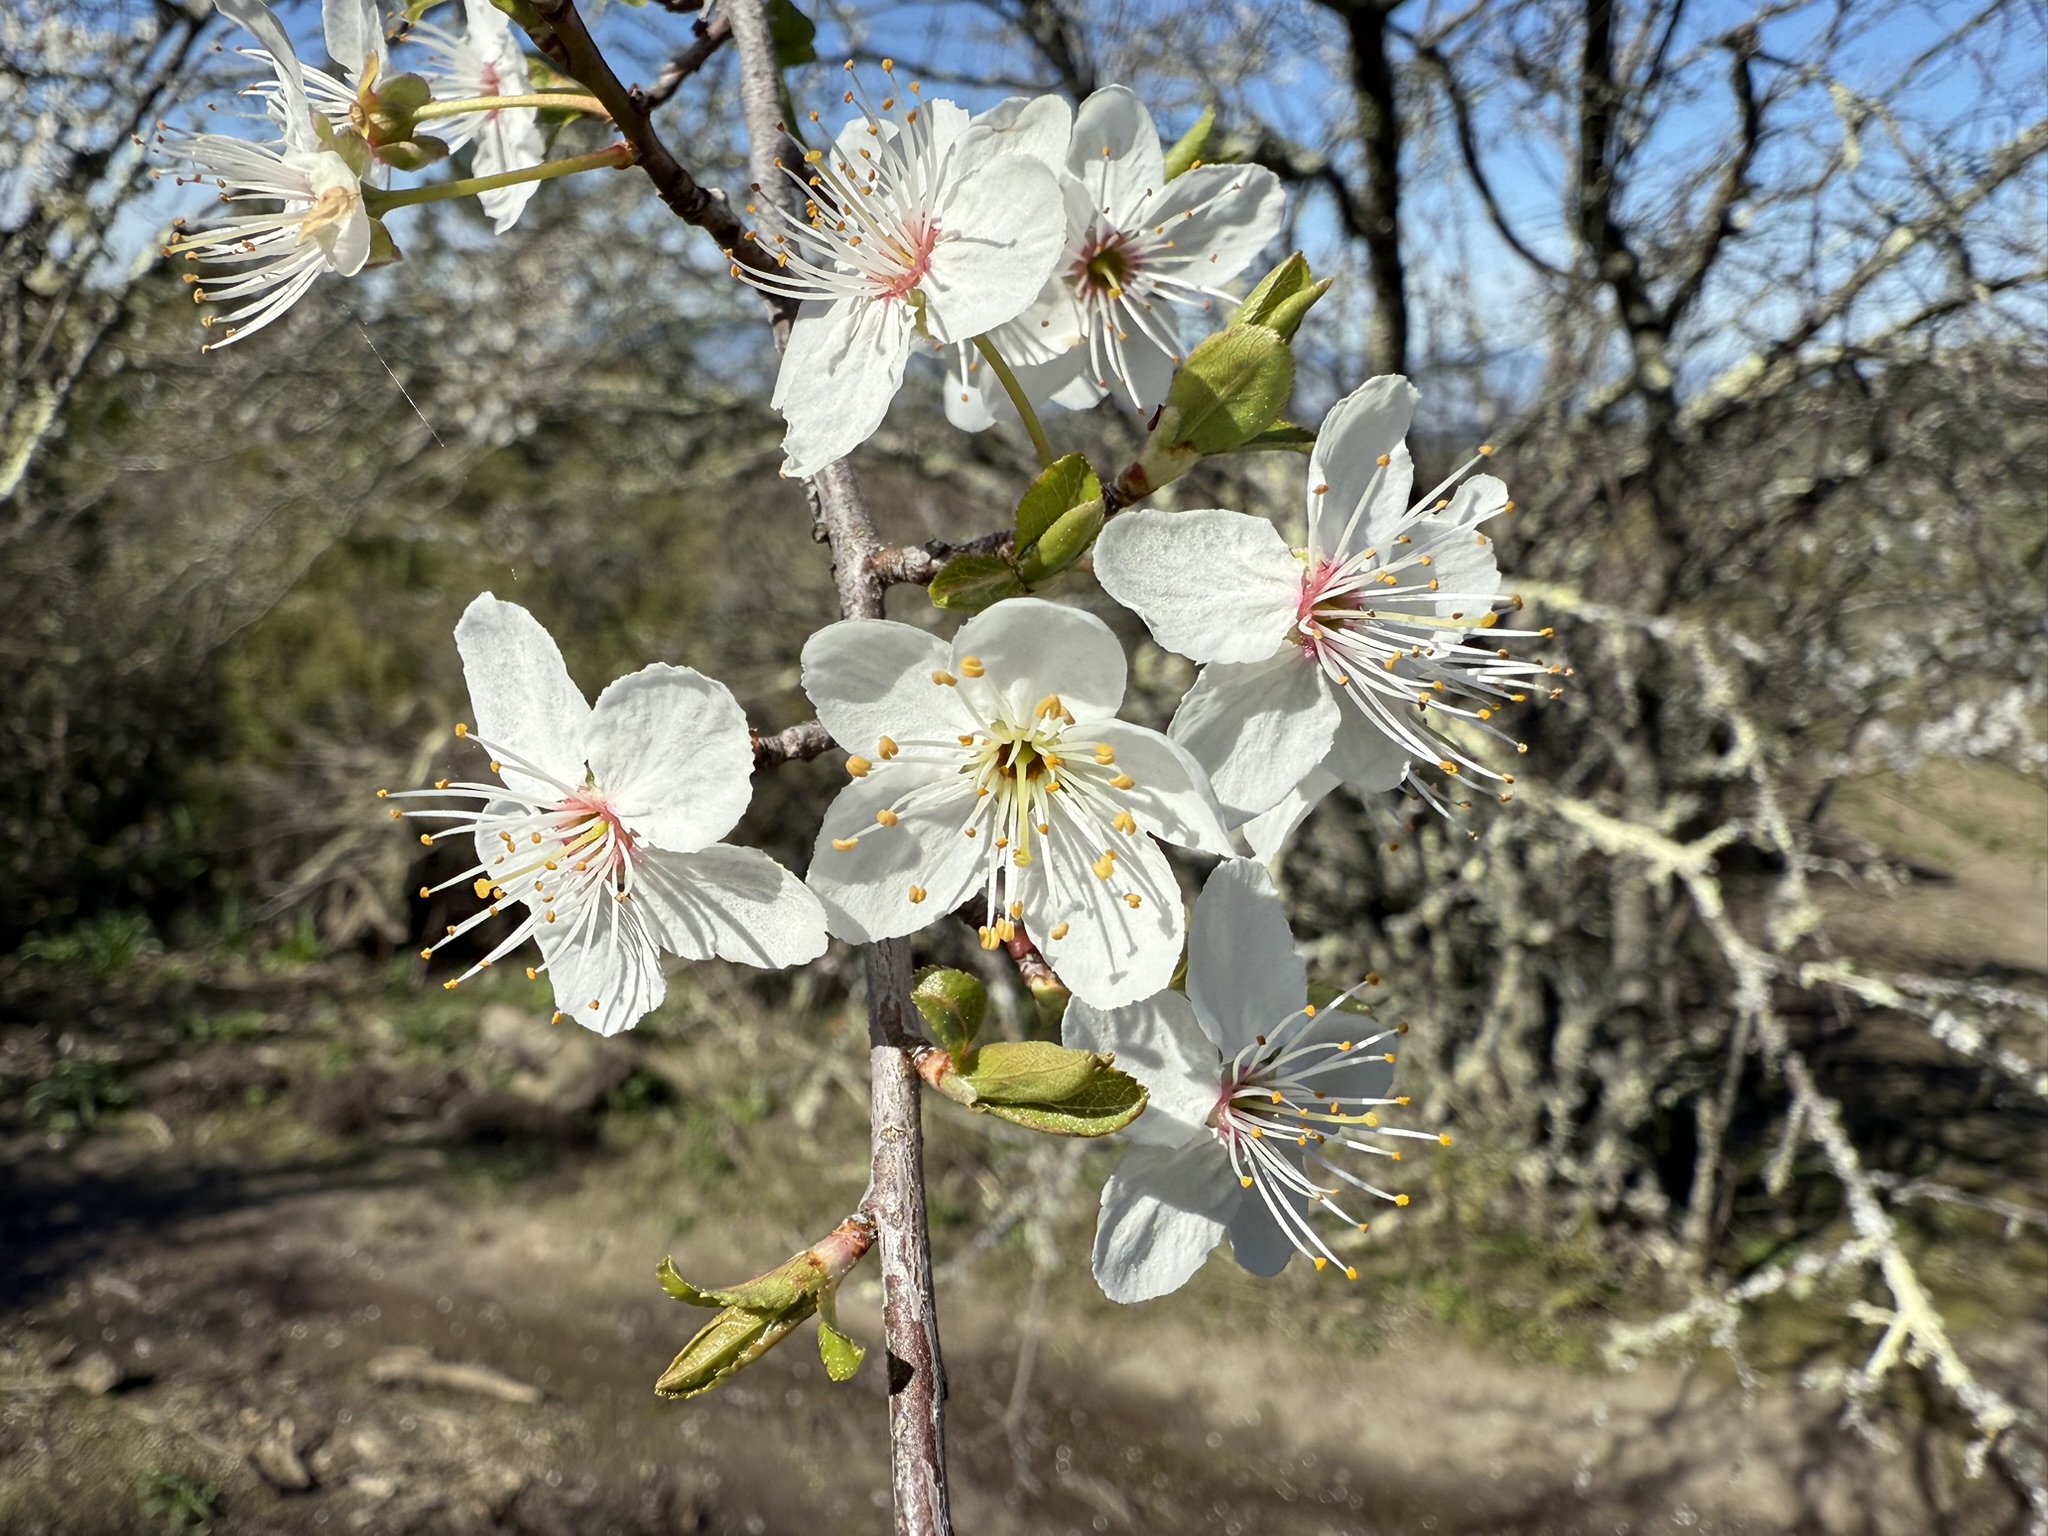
point(223, 1303)
point(238, 1316)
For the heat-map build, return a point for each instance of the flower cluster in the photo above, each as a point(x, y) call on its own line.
point(1053, 254)
point(335, 139)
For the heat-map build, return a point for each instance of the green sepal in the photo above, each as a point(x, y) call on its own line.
point(1187, 149)
point(1058, 518)
point(415, 9)
point(1111, 1100)
point(682, 1290)
point(1281, 298)
point(1030, 1072)
point(412, 154)
point(952, 1005)
point(973, 582)
point(794, 34)
point(345, 142)
point(383, 249)
point(403, 93)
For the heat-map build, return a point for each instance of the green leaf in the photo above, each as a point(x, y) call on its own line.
point(952, 1005)
point(729, 1343)
point(1281, 435)
point(972, 582)
point(682, 1290)
point(842, 1356)
point(1232, 387)
point(1111, 1100)
point(1030, 1072)
point(1187, 149)
point(1061, 486)
point(795, 35)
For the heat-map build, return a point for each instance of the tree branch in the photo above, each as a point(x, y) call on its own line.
point(797, 744)
point(711, 36)
point(917, 1377)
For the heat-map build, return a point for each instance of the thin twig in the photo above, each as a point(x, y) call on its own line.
point(795, 744)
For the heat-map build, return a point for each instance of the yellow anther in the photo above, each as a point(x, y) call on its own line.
point(1349, 1272)
point(1486, 450)
point(1321, 1263)
point(1105, 866)
point(496, 765)
point(1105, 754)
point(425, 892)
point(1309, 1009)
point(886, 749)
point(858, 767)
point(1384, 460)
point(449, 986)
point(1123, 781)
point(1125, 823)
point(945, 679)
point(1048, 707)
point(426, 954)
point(1447, 765)
point(385, 794)
point(483, 890)
point(1059, 931)
point(1020, 858)
point(1400, 1199)
point(846, 844)
point(461, 729)
point(887, 818)
point(988, 938)
point(426, 839)
point(1133, 900)
point(398, 815)
point(593, 1005)
point(1444, 1140)
point(533, 973)
point(1016, 909)
point(971, 666)
point(1245, 1180)
point(917, 894)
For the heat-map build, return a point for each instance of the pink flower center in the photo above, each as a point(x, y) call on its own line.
point(1315, 595)
point(1106, 263)
point(591, 829)
point(914, 252)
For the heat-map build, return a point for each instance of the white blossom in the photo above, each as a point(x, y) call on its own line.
point(1327, 664)
point(914, 224)
point(603, 829)
point(1254, 1096)
point(485, 60)
point(995, 769)
point(1139, 249)
point(321, 225)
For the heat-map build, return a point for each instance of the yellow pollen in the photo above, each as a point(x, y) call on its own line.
point(1400, 1199)
point(483, 890)
point(449, 986)
point(886, 749)
point(846, 844)
point(1321, 1264)
point(945, 679)
point(426, 839)
point(461, 730)
point(971, 666)
point(1123, 781)
point(988, 938)
point(1349, 1272)
point(1486, 450)
point(425, 892)
point(1309, 1009)
point(1020, 858)
point(1105, 754)
point(532, 973)
point(1125, 823)
point(1133, 900)
point(1245, 1180)
point(1048, 707)
point(1443, 1141)
point(858, 767)
point(1105, 866)
point(385, 794)
point(1385, 459)
point(887, 818)
point(426, 954)
point(917, 894)
point(966, 741)
point(1059, 931)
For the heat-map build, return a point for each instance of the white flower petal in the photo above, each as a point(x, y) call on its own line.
point(354, 34)
point(1257, 727)
point(1268, 832)
point(1157, 1041)
point(735, 903)
point(843, 366)
point(1171, 798)
point(1210, 585)
point(1027, 650)
point(670, 749)
point(1370, 421)
point(1109, 952)
point(295, 114)
point(1220, 218)
point(1002, 228)
point(1116, 153)
point(866, 888)
point(1256, 1241)
point(1038, 126)
point(1163, 1212)
point(604, 965)
point(1244, 975)
point(525, 703)
point(1148, 368)
point(870, 678)
point(1364, 756)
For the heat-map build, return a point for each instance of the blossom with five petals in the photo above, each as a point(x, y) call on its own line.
point(1325, 664)
point(995, 768)
point(1139, 249)
point(914, 224)
point(1253, 1092)
point(603, 830)
point(486, 60)
point(321, 225)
